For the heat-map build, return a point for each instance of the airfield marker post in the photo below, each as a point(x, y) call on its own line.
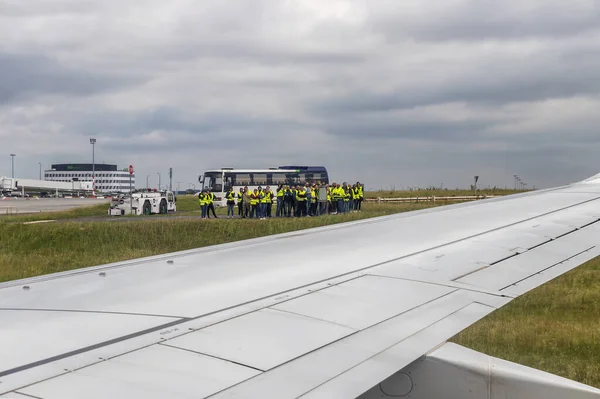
point(130, 190)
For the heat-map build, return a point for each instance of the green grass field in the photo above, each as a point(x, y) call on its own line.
point(438, 193)
point(554, 328)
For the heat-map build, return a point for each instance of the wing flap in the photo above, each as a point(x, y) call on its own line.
point(532, 262)
point(550, 273)
point(364, 301)
point(314, 369)
point(262, 339)
point(360, 378)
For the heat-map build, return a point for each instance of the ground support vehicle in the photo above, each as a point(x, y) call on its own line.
point(143, 203)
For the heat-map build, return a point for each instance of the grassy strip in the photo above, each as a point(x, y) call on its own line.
point(437, 193)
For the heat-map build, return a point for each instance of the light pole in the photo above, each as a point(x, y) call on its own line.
point(147, 184)
point(93, 143)
point(158, 173)
point(12, 161)
point(39, 163)
point(516, 178)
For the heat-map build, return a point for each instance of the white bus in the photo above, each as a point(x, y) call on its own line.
point(219, 181)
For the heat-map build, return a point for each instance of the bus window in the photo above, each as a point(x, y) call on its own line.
point(296, 178)
point(242, 179)
point(260, 179)
point(278, 178)
point(229, 181)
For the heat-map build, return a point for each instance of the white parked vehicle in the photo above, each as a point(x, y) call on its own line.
point(143, 203)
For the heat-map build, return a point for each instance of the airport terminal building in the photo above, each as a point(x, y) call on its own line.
point(109, 178)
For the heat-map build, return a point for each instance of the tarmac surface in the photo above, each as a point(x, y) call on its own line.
point(12, 205)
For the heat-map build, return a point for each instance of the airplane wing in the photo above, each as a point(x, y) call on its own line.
point(331, 312)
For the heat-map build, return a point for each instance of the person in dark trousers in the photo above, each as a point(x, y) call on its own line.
point(211, 205)
point(288, 200)
point(255, 204)
point(230, 197)
point(203, 200)
point(240, 202)
point(301, 202)
point(359, 195)
point(280, 200)
point(268, 202)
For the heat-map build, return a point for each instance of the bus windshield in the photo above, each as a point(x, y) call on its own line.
point(213, 181)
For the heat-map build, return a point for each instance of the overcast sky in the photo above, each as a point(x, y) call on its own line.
point(388, 92)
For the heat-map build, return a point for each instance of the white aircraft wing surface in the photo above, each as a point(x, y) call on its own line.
point(322, 313)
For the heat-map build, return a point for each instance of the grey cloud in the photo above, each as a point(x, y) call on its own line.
point(476, 20)
point(521, 80)
point(44, 8)
point(26, 75)
point(167, 119)
point(377, 128)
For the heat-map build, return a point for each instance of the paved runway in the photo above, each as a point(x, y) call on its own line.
point(20, 205)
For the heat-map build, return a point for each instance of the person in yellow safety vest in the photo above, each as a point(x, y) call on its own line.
point(353, 198)
point(360, 195)
point(280, 199)
point(288, 201)
point(254, 203)
point(203, 200)
point(334, 198)
point(268, 203)
point(313, 198)
point(261, 205)
point(346, 196)
point(295, 210)
point(300, 201)
point(211, 204)
point(340, 199)
point(240, 202)
point(230, 197)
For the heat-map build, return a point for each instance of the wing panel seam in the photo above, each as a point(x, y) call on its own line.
point(213, 356)
point(549, 267)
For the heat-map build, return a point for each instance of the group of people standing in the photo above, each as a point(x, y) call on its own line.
point(207, 203)
point(309, 199)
